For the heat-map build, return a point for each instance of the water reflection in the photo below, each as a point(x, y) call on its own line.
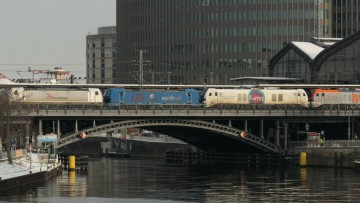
point(114, 180)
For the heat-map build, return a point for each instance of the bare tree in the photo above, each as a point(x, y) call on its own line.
point(14, 115)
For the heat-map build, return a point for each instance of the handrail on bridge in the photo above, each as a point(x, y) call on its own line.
point(326, 143)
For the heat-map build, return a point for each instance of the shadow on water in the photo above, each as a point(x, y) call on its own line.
point(114, 180)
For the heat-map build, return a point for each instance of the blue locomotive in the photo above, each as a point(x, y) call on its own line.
point(117, 96)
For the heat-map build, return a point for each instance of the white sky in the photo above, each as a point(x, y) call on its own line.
point(44, 34)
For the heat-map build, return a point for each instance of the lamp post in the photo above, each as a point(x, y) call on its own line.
point(30, 149)
point(211, 77)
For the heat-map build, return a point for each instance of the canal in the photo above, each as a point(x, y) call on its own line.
point(150, 181)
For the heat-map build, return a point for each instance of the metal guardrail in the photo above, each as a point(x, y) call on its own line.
point(327, 143)
point(193, 110)
point(334, 107)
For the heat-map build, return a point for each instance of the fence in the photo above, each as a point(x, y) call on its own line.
point(327, 143)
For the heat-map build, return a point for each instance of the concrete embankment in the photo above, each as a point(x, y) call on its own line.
point(331, 157)
point(135, 146)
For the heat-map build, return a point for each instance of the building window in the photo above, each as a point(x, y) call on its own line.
point(102, 63)
point(102, 53)
point(102, 42)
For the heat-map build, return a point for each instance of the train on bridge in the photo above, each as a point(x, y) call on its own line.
point(209, 97)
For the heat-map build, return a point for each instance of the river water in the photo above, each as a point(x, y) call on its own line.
point(149, 181)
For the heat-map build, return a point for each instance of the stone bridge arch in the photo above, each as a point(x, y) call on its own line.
point(223, 130)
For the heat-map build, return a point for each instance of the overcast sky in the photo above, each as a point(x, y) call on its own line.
point(44, 34)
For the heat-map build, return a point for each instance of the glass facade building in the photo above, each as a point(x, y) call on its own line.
point(345, 17)
point(334, 64)
point(340, 63)
point(293, 62)
point(211, 41)
point(101, 56)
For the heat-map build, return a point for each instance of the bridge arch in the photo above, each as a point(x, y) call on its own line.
point(227, 131)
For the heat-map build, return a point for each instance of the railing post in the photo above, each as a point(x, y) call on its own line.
point(331, 109)
point(269, 109)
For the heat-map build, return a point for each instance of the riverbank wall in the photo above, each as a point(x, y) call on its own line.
point(340, 157)
point(139, 148)
point(134, 146)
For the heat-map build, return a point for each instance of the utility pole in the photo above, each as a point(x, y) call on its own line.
point(141, 69)
point(33, 72)
point(141, 62)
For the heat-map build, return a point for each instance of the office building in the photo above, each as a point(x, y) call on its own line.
point(101, 56)
point(345, 17)
point(212, 41)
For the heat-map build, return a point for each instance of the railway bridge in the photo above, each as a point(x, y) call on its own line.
point(213, 129)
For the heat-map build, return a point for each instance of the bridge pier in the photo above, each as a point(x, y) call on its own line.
point(262, 129)
point(58, 129)
point(76, 126)
point(40, 127)
point(277, 135)
point(285, 136)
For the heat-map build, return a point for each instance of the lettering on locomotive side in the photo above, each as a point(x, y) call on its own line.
point(52, 97)
point(171, 98)
point(355, 98)
point(256, 97)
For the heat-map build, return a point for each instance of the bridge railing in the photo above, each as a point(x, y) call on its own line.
point(327, 143)
point(342, 107)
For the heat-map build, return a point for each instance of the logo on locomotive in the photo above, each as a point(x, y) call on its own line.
point(256, 97)
point(152, 97)
point(50, 96)
point(137, 98)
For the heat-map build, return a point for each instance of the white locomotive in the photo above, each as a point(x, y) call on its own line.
point(57, 96)
point(335, 96)
point(214, 97)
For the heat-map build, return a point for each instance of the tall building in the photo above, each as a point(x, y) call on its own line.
point(212, 41)
point(345, 17)
point(101, 56)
